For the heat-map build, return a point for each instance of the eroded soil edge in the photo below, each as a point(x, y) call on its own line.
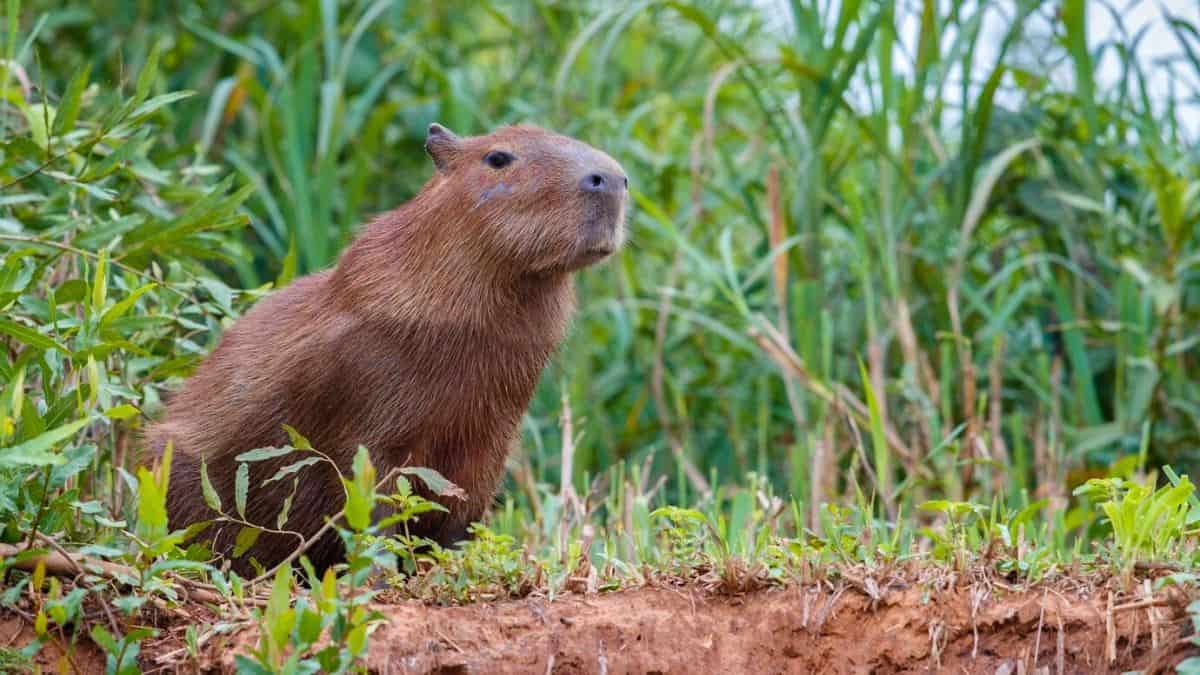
point(797, 630)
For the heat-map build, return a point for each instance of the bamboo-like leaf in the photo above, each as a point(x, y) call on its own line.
point(211, 498)
point(100, 282)
point(241, 488)
point(30, 336)
point(146, 77)
point(68, 107)
point(260, 454)
point(436, 482)
point(37, 451)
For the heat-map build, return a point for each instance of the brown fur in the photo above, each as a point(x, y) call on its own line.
point(423, 344)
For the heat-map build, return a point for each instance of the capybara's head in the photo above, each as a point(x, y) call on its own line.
point(542, 203)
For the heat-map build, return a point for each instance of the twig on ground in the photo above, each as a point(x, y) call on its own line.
point(70, 565)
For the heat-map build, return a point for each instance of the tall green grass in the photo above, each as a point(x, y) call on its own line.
point(859, 264)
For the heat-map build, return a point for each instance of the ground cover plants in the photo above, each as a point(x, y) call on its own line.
point(906, 333)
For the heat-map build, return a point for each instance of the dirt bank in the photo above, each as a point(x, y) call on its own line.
point(821, 629)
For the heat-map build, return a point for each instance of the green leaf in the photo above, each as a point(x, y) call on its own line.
point(121, 412)
point(246, 537)
point(241, 487)
point(159, 101)
point(147, 76)
point(76, 459)
point(115, 159)
point(206, 487)
point(30, 336)
point(36, 116)
point(278, 615)
point(293, 468)
point(356, 640)
point(285, 511)
point(95, 379)
point(152, 502)
point(100, 282)
point(436, 482)
point(287, 270)
point(310, 626)
point(68, 107)
point(1074, 20)
point(36, 451)
point(882, 453)
point(260, 454)
point(360, 492)
point(103, 638)
point(298, 441)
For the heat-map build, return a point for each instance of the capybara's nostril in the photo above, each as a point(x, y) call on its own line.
point(594, 182)
point(602, 181)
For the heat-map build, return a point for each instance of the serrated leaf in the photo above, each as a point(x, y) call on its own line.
point(206, 487)
point(436, 482)
point(403, 487)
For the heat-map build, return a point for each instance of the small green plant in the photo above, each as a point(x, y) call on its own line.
point(326, 629)
point(336, 608)
point(960, 536)
point(998, 535)
point(485, 566)
point(121, 651)
point(1146, 523)
point(685, 534)
point(15, 660)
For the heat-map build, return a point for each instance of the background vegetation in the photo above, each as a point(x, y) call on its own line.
point(882, 252)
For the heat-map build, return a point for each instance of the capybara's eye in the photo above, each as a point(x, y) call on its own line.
point(498, 159)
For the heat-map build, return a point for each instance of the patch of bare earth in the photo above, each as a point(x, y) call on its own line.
point(821, 628)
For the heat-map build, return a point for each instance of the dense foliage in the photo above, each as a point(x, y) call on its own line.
point(884, 256)
point(1013, 259)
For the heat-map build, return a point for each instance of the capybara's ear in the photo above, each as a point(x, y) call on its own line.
point(441, 144)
